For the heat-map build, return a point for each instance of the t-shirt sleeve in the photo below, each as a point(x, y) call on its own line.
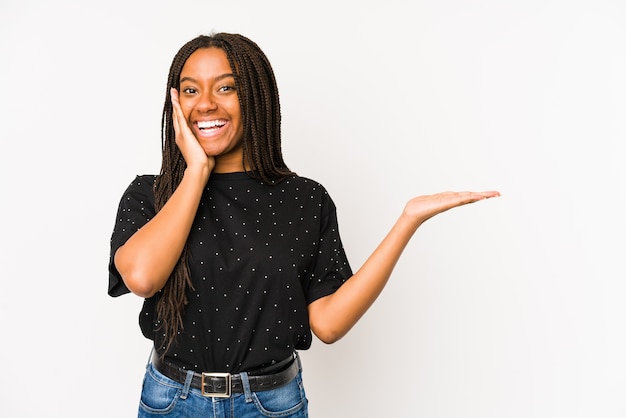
point(135, 209)
point(330, 266)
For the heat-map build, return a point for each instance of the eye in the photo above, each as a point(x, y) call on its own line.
point(227, 88)
point(189, 90)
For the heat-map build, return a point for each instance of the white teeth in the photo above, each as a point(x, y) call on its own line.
point(206, 124)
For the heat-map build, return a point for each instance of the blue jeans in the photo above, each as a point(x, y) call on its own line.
point(164, 397)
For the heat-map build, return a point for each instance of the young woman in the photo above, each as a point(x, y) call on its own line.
point(238, 258)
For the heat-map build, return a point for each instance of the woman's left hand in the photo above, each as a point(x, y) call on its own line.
point(425, 207)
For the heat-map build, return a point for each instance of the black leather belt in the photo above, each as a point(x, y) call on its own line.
point(222, 385)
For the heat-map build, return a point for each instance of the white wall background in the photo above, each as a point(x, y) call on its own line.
point(513, 307)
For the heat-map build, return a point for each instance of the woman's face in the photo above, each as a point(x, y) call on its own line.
point(210, 104)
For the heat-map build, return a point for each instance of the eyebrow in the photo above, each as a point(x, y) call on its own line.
point(218, 78)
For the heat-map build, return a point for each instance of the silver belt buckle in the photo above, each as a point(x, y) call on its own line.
point(227, 389)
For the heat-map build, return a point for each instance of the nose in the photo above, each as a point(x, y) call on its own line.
point(207, 102)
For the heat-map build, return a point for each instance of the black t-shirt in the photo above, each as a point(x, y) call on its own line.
point(259, 254)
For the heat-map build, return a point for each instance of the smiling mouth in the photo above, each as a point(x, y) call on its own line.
point(208, 125)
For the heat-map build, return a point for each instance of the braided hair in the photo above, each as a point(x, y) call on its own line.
point(260, 109)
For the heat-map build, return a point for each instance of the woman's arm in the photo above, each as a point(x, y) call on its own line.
point(331, 317)
point(147, 259)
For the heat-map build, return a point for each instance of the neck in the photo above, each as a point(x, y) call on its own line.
point(231, 163)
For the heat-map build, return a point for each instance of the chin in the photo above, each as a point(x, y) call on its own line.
point(213, 151)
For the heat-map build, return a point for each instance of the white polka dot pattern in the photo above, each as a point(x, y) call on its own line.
point(260, 253)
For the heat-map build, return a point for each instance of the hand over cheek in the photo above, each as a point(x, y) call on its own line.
point(192, 151)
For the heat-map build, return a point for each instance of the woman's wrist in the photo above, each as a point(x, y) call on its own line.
point(200, 172)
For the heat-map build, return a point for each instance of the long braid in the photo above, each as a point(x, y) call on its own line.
point(260, 109)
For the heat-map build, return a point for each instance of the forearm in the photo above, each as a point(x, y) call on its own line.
point(147, 259)
point(334, 315)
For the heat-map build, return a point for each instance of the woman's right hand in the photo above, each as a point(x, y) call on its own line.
point(186, 141)
point(148, 258)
